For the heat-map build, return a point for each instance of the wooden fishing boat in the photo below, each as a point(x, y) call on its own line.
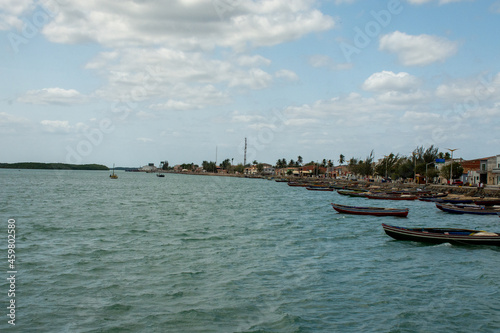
point(377, 211)
point(454, 201)
point(317, 188)
point(486, 202)
point(297, 184)
point(352, 193)
point(443, 235)
point(392, 196)
point(468, 209)
point(430, 197)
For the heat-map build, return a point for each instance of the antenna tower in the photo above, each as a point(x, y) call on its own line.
point(245, 156)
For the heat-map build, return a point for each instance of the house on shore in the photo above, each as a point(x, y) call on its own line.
point(483, 171)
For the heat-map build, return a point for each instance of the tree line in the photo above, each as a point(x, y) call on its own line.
point(421, 161)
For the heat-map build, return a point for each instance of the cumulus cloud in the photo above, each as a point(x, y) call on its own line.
point(325, 61)
point(252, 61)
point(11, 12)
point(53, 96)
point(287, 75)
point(185, 25)
point(56, 126)
point(441, 2)
point(418, 50)
point(387, 81)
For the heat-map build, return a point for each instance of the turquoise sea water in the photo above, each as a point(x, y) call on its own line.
point(214, 254)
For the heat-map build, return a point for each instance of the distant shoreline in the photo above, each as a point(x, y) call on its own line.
point(52, 166)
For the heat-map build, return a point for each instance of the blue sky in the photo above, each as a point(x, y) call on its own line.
point(134, 82)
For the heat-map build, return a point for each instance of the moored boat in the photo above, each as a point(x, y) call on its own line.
point(113, 175)
point(317, 188)
point(486, 202)
point(443, 235)
point(392, 196)
point(352, 193)
point(376, 211)
point(468, 209)
point(298, 184)
point(454, 200)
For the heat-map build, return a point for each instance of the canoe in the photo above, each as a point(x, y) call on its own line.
point(443, 235)
point(486, 202)
point(454, 201)
point(431, 197)
point(392, 196)
point(298, 184)
point(317, 188)
point(468, 209)
point(377, 211)
point(352, 193)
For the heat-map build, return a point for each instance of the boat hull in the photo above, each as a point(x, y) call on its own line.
point(479, 210)
point(374, 211)
point(442, 235)
point(319, 189)
point(391, 197)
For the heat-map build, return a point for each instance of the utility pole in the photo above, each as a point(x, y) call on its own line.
point(451, 164)
point(245, 155)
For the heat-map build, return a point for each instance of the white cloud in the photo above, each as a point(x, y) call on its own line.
point(11, 12)
point(470, 91)
point(7, 119)
point(54, 96)
point(418, 50)
point(253, 61)
point(185, 25)
point(325, 61)
point(287, 75)
point(387, 81)
point(56, 126)
point(175, 105)
point(441, 2)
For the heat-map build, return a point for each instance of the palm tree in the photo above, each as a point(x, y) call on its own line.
point(341, 159)
point(299, 160)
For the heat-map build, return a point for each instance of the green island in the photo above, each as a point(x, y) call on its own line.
point(55, 166)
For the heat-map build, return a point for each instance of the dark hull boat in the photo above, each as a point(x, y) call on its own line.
point(298, 184)
point(352, 193)
point(392, 196)
point(454, 201)
point(477, 210)
point(443, 235)
point(317, 188)
point(376, 211)
point(486, 202)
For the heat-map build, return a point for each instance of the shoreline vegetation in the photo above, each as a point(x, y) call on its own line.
point(52, 166)
point(464, 192)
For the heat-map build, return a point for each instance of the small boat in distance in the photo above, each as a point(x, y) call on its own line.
point(443, 235)
point(392, 196)
point(113, 175)
point(160, 175)
point(317, 188)
point(376, 211)
point(352, 193)
point(468, 209)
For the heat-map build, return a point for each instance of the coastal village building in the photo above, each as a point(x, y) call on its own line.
point(148, 168)
point(285, 171)
point(486, 171)
point(267, 169)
